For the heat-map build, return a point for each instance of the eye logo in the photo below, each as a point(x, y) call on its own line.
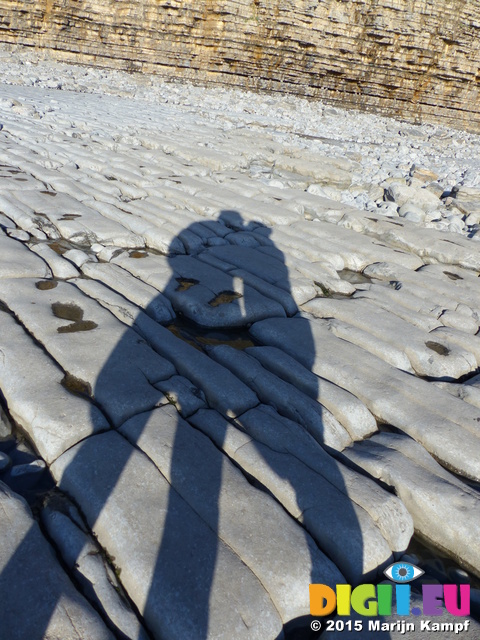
point(403, 572)
point(377, 600)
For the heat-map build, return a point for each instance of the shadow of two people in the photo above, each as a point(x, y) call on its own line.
point(175, 565)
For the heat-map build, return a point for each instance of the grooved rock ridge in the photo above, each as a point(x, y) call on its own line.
point(414, 60)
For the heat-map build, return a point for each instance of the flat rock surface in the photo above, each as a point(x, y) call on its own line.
point(241, 333)
point(53, 417)
point(233, 508)
point(438, 496)
point(19, 263)
point(170, 560)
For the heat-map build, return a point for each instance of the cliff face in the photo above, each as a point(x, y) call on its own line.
point(416, 59)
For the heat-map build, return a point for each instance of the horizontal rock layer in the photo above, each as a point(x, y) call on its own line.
point(418, 61)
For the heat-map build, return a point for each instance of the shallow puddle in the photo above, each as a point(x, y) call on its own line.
point(438, 348)
point(61, 246)
point(70, 216)
point(354, 277)
point(225, 297)
point(236, 343)
point(76, 385)
point(184, 284)
point(83, 325)
point(199, 337)
point(70, 311)
point(184, 335)
point(58, 247)
point(45, 285)
point(67, 311)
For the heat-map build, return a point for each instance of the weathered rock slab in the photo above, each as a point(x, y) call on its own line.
point(19, 262)
point(84, 559)
point(31, 384)
point(342, 528)
point(221, 495)
point(414, 406)
point(38, 599)
point(113, 364)
point(182, 578)
point(444, 509)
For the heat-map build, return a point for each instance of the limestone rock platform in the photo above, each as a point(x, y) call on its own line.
point(239, 354)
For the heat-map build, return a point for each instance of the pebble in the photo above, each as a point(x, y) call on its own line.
point(5, 426)
point(76, 256)
point(33, 468)
point(4, 461)
point(459, 576)
point(30, 479)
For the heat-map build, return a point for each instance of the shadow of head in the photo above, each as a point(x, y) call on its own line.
point(233, 220)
